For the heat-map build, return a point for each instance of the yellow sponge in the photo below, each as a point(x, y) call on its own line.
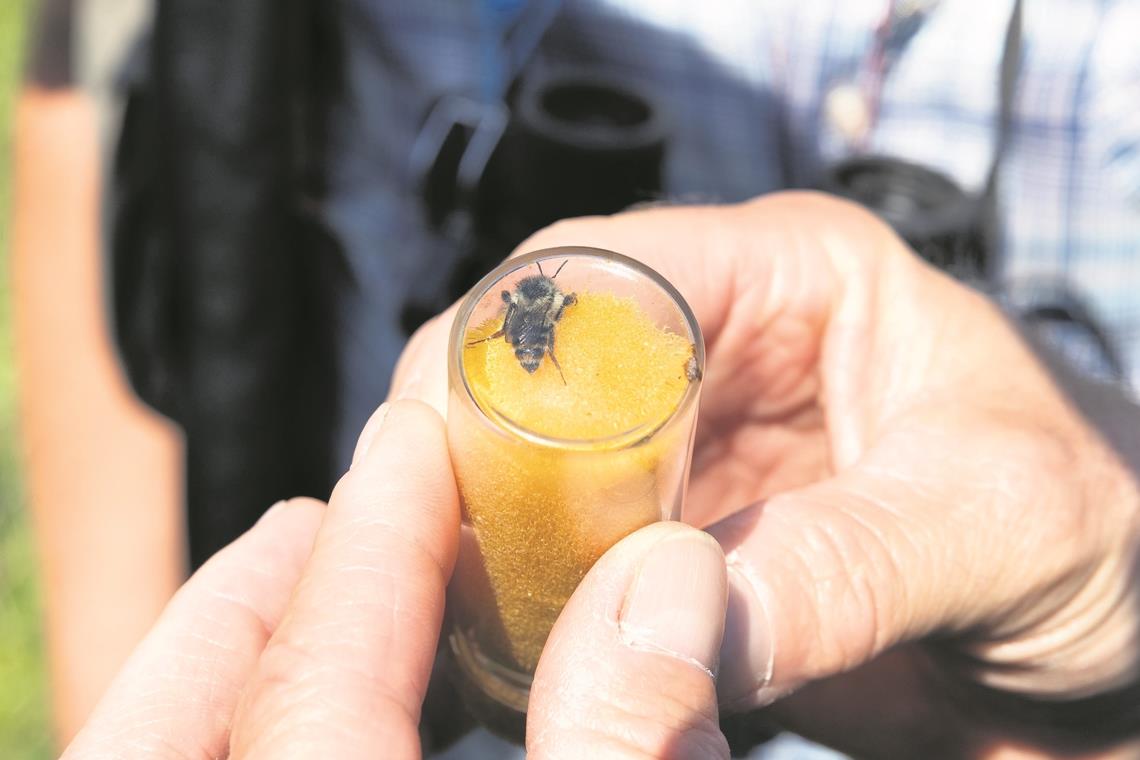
point(541, 513)
point(622, 372)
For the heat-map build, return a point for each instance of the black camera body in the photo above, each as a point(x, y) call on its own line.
point(950, 228)
point(579, 141)
point(569, 141)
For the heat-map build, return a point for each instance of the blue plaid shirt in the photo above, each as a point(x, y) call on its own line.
point(746, 84)
point(734, 75)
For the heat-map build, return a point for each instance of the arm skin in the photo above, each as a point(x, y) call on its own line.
point(103, 472)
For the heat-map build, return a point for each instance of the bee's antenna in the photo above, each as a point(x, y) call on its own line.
point(559, 269)
point(539, 265)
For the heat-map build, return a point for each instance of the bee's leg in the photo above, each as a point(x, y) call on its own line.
point(492, 336)
point(502, 330)
point(567, 300)
point(550, 353)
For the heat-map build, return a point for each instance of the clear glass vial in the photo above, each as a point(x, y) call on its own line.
point(556, 464)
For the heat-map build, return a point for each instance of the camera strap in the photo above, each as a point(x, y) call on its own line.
point(1039, 304)
point(1007, 89)
point(460, 132)
point(956, 230)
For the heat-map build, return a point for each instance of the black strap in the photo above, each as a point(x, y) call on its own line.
point(1063, 305)
point(990, 207)
point(224, 278)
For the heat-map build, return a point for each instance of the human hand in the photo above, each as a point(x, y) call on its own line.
point(925, 541)
point(313, 635)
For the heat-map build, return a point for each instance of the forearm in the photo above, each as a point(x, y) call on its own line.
point(103, 472)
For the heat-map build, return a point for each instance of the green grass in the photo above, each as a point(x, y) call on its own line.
point(24, 731)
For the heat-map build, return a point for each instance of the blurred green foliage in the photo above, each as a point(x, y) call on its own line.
point(24, 728)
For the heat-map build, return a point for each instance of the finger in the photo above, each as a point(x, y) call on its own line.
point(345, 673)
point(628, 669)
point(900, 546)
point(421, 372)
point(177, 693)
point(821, 582)
point(739, 266)
point(758, 276)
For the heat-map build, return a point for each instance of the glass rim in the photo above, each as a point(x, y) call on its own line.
point(631, 438)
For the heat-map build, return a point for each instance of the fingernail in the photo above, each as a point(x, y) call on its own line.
point(747, 640)
point(676, 604)
point(368, 434)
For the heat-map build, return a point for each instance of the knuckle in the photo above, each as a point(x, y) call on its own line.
point(672, 718)
point(285, 667)
point(429, 330)
point(281, 681)
point(374, 532)
point(418, 338)
point(296, 699)
point(847, 587)
point(415, 356)
point(1035, 479)
point(623, 729)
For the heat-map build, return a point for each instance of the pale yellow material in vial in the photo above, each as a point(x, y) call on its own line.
point(542, 513)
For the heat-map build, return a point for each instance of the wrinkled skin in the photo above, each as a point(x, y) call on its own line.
point(914, 531)
point(885, 464)
point(313, 635)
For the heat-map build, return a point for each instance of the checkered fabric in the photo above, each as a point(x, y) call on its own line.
point(745, 84)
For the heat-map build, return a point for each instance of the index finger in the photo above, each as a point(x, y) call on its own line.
point(345, 673)
point(650, 235)
point(739, 267)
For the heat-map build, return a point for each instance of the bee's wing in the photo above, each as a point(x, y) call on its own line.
point(509, 320)
point(530, 326)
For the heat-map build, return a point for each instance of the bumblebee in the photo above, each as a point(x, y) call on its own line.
point(533, 309)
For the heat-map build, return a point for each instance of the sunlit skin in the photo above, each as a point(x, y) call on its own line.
point(929, 478)
point(102, 470)
point(896, 463)
point(313, 635)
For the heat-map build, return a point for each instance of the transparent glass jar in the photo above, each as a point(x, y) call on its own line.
point(556, 464)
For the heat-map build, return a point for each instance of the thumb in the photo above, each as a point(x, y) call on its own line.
point(825, 579)
point(629, 668)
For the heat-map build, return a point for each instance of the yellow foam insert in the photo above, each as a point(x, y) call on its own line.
point(542, 515)
point(622, 372)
